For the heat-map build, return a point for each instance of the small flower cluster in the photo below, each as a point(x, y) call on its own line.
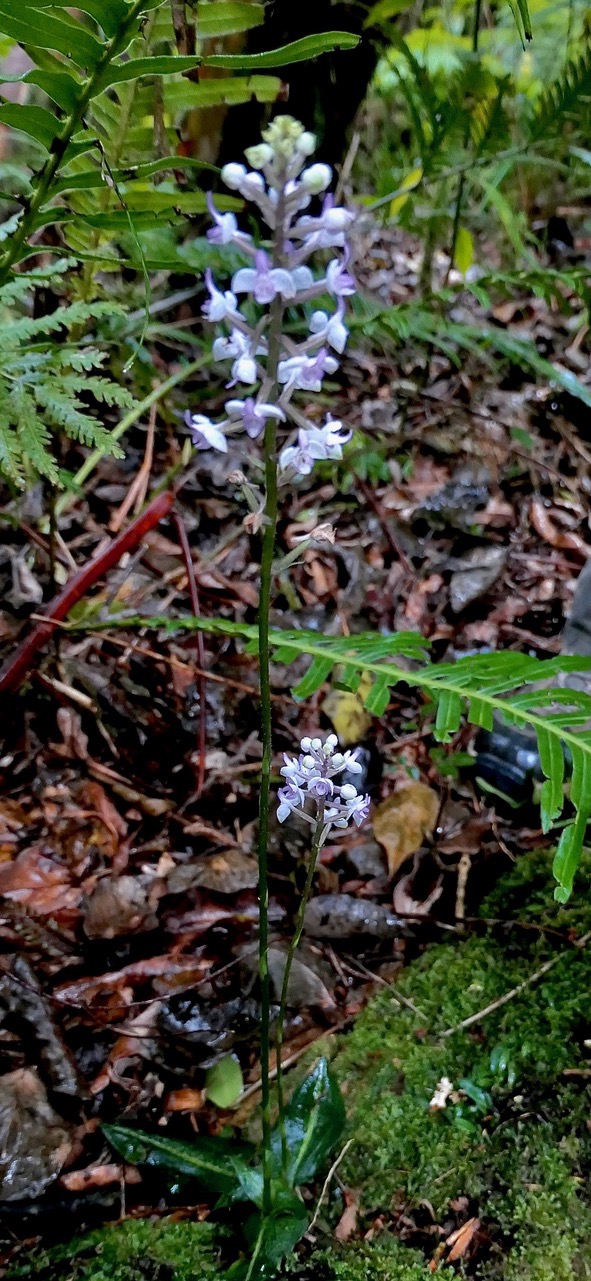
point(309, 777)
point(281, 184)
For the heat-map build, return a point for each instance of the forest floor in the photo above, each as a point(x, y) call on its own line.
point(128, 813)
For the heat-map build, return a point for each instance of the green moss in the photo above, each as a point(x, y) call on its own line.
point(136, 1250)
point(515, 1141)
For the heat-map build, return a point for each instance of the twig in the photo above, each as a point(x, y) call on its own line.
point(325, 1186)
point(515, 991)
point(190, 568)
point(139, 486)
point(18, 664)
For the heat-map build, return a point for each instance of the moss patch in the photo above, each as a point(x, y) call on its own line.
point(514, 1138)
point(136, 1250)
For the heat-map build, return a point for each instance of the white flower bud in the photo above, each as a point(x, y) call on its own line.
point(338, 759)
point(260, 155)
point(348, 792)
point(331, 741)
point(308, 761)
point(305, 744)
point(306, 144)
point(316, 744)
point(317, 178)
point(337, 219)
point(233, 175)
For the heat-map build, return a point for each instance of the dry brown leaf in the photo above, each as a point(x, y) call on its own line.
point(460, 1240)
point(566, 540)
point(347, 1223)
point(99, 1176)
point(402, 822)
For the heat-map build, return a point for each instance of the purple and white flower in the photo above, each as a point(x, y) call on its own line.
point(221, 306)
point(239, 346)
point(263, 281)
point(310, 778)
point(327, 231)
point(339, 281)
point(331, 329)
point(306, 372)
point(204, 433)
point(253, 414)
point(315, 444)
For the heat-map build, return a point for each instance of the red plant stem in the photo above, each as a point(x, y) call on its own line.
point(16, 667)
point(190, 568)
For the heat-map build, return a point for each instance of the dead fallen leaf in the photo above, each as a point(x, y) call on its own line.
point(223, 873)
point(34, 1141)
point(566, 540)
point(40, 881)
point(402, 822)
point(118, 905)
point(461, 1238)
point(346, 712)
point(99, 1176)
point(347, 1223)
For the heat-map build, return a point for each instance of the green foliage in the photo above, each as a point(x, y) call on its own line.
point(513, 1138)
point(105, 147)
point(49, 387)
point(513, 686)
point(312, 1124)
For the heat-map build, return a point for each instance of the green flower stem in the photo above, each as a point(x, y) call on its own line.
point(267, 555)
point(291, 951)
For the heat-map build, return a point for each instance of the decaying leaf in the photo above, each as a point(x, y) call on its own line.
point(346, 712)
point(226, 872)
point(118, 905)
point(34, 1141)
point(402, 822)
point(461, 1239)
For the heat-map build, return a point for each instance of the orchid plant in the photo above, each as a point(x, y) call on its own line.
point(268, 372)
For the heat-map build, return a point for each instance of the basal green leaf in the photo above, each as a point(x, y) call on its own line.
point(212, 1161)
point(298, 51)
point(314, 1120)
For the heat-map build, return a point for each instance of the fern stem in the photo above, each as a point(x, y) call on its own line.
point(60, 143)
point(158, 393)
point(291, 951)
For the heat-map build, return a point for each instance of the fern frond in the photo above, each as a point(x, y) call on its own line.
point(564, 96)
point(513, 686)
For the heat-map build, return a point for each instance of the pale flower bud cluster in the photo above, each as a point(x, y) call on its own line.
point(309, 781)
point(277, 279)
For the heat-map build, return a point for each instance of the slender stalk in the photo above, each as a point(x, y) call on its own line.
point(462, 181)
point(291, 951)
point(267, 555)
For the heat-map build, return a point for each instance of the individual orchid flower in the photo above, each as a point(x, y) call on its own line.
point(339, 281)
point(253, 414)
point(239, 346)
point(331, 329)
point(221, 305)
point(329, 230)
point(306, 372)
point(263, 281)
point(225, 231)
point(205, 434)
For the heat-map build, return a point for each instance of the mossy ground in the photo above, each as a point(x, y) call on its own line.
point(513, 1147)
point(136, 1250)
point(516, 1143)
